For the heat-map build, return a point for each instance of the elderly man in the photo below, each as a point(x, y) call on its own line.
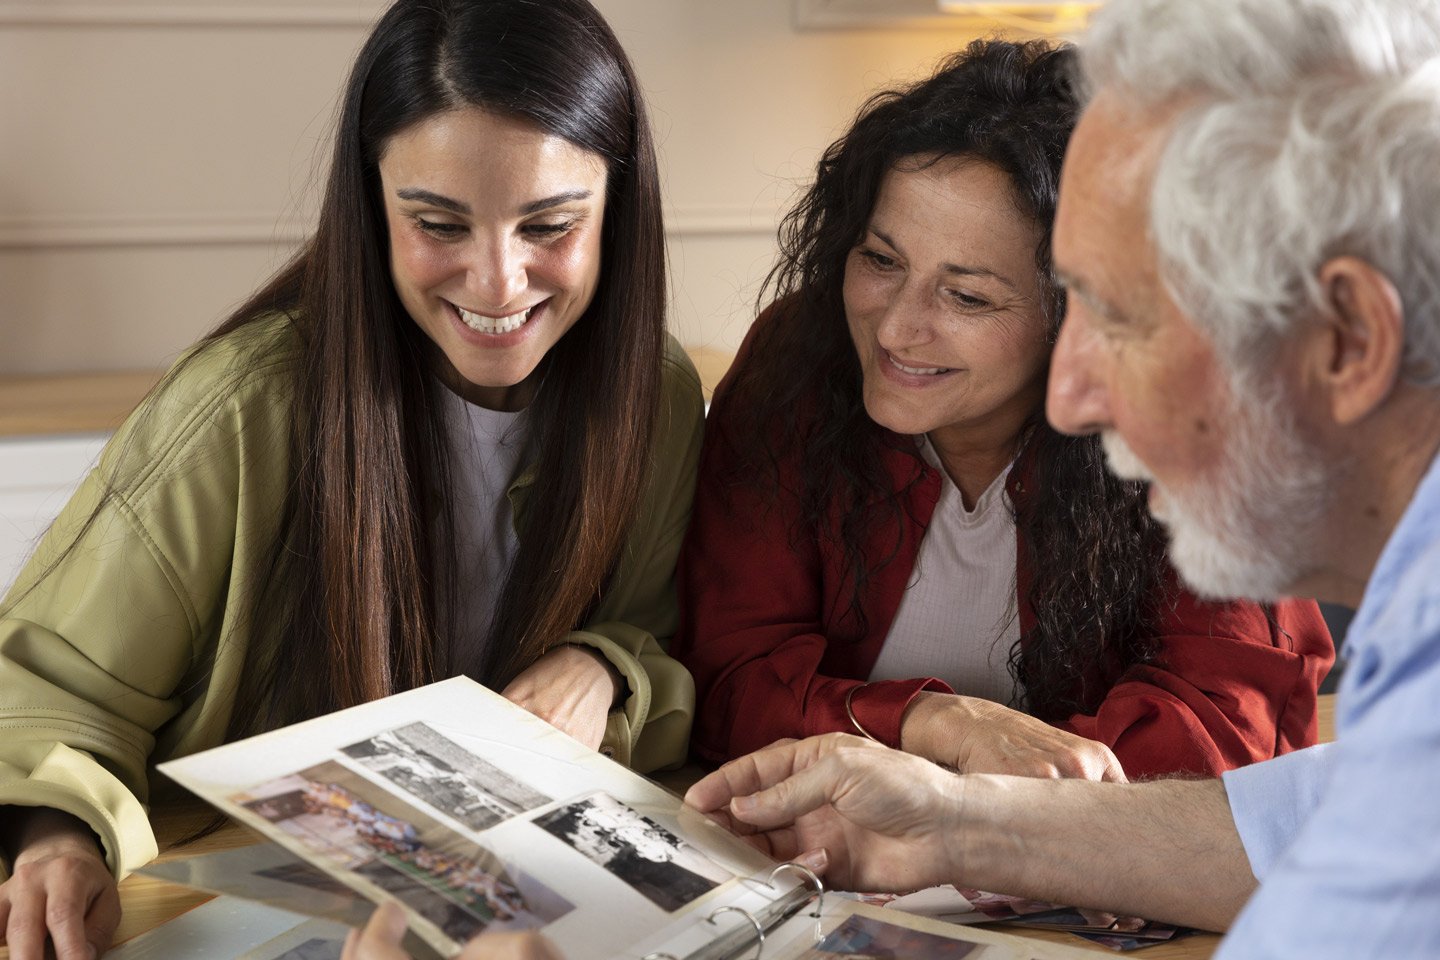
point(1249, 228)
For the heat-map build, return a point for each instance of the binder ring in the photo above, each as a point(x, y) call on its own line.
point(759, 930)
point(660, 956)
point(810, 875)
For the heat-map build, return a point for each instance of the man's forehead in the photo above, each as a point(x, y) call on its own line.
point(1101, 231)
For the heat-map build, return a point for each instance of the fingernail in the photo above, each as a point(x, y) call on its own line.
point(817, 859)
point(744, 804)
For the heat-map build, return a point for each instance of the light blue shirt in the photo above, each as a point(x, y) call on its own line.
point(1345, 838)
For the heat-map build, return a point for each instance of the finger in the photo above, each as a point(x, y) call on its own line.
point(25, 932)
point(382, 934)
point(65, 910)
point(789, 799)
point(4, 912)
point(352, 946)
point(103, 919)
point(818, 860)
point(744, 776)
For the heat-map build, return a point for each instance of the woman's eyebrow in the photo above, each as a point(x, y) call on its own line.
point(555, 201)
point(434, 199)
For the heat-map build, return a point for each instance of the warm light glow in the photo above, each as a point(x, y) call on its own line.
point(1034, 16)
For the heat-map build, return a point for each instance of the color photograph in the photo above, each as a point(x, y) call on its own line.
point(865, 937)
point(356, 826)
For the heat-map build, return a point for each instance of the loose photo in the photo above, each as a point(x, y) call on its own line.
point(666, 870)
point(864, 937)
point(442, 774)
point(356, 826)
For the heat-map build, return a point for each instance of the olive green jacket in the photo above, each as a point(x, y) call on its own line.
point(129, 651)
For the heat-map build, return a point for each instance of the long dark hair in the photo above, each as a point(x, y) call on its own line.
point(1094, 555)
point(353, 587)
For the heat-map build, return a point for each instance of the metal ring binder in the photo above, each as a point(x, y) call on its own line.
point(759, 930)
point(810, 874)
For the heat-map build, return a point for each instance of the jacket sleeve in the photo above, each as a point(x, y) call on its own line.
point(104, 656)
point(753, 630)
point(637, 615)
point(1234, 683)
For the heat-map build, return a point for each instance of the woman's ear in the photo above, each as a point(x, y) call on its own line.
point(1364, 337)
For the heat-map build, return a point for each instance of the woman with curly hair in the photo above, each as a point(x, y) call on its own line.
point(887, 537)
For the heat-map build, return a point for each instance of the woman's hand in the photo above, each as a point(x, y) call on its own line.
point(59, 887)
point(862, 815)
point(980, 736)
point(572, 688)
point(380, 940)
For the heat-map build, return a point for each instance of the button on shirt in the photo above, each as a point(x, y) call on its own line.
point(1345, 837)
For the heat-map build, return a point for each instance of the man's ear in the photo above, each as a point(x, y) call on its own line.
point(1364, 337)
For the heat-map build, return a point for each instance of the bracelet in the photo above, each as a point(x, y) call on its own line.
point(850, 712)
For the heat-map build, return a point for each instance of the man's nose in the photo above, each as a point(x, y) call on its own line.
point(1076, 399)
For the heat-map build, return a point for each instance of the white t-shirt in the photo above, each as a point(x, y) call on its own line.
point(957, 620)
point(486, 445)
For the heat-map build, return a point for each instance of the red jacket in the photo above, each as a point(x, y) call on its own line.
point(1234, 683)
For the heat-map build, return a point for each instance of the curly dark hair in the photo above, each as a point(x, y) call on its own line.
point(1094, 554)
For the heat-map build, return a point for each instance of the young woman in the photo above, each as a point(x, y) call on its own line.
point(887, 537)
point(450, 437)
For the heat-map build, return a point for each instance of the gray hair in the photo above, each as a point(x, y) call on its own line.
point(1310, 129)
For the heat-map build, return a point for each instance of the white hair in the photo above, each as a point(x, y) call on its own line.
point(1309, 129)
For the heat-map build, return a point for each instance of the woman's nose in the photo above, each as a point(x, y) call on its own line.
point(497, 276)
point(906, 321)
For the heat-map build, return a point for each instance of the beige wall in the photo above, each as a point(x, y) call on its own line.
point(158, 159)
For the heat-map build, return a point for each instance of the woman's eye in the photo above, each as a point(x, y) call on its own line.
point(546, 231)
point(440, 229)
point(968, 300)
point(878, 259)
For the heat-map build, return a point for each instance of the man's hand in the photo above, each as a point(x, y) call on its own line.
point(60, 888)
point(380, 940)
point(980, 736)
point(571, 688)
point(885, 820)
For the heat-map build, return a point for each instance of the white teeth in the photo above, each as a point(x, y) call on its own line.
point(485, 324)
point(924, 370)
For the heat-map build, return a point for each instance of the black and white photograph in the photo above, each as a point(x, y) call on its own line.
point(665, 869)
point(444, 775)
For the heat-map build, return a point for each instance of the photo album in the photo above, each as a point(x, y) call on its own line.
point(474, 815)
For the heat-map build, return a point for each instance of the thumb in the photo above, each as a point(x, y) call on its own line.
point(386, 926)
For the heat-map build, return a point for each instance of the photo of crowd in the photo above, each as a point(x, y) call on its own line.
point(445, 776)
point(666, 870)
point(357, 826)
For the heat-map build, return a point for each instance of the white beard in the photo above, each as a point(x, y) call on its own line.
point(1252, 529)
